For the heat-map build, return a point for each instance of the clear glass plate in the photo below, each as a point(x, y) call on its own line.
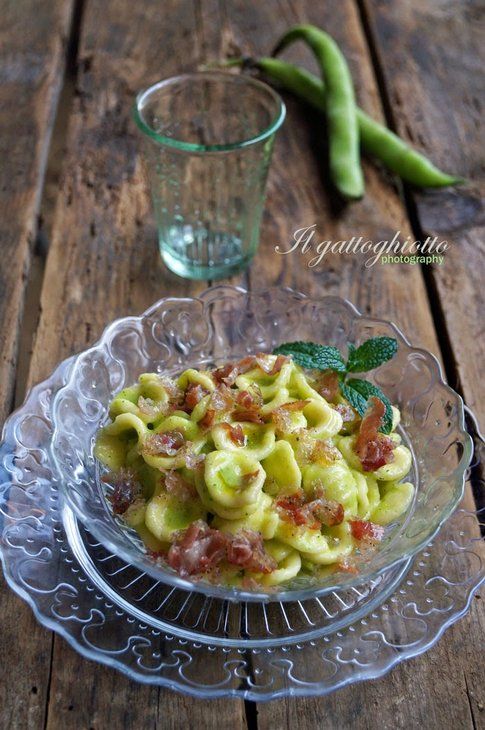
point(227, 323)
point(112, 612)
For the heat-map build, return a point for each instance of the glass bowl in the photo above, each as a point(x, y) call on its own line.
point(227, 323)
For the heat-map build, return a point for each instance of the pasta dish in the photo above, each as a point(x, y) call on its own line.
point(255, 473)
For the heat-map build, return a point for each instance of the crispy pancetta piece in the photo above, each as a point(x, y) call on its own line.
point(374, 449)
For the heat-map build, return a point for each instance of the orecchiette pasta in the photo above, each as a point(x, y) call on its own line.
point(337, 482)
point(339, 546)
point(165, 514)
point(233, 479)
point(396, 469)
point(259, 441)
point(264, 520)
point(323, 421)
point(246, 472)
point(288, 564)
point(395, 498)
point(269, 384)
point(283, 475)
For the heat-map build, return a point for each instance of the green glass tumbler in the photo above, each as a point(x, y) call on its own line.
point(208, 140)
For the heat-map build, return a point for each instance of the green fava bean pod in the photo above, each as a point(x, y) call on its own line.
point(340, 108)
point(375, 139)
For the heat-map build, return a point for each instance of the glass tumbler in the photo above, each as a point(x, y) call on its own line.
point(208, 139)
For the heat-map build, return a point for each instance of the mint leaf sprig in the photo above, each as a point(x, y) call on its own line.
point(368, 356)
point(312, 356)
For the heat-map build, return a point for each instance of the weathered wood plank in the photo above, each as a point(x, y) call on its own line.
point(33, 40)
point(405, 699)
point(432, 58)
point(103, 262)
point(396, 292)
point(33, 44)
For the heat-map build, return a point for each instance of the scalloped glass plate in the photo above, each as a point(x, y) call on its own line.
point(227, 323)
point(112, 612)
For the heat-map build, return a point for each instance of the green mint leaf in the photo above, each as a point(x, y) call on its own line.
point(371, 354)
point(313, 356)
point(358, 392)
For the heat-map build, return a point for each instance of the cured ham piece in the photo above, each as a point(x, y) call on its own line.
point(291, 509)
point(208, 419)
point(193, 395)
point(373, 448)
point(151, 408)
point(179, 487)
point(250, 399)
point(198, 549)
point(173, 391)
point(164, 444)
point(328, 512)
point(246, 550)
point(201, 549)
point(126, 489)
point(365, 531)
point(235, 433)
point(248, 416)
point(227, 374)
point(320, 511)
point(271, 369)
point(222, 399)
point(328, 385)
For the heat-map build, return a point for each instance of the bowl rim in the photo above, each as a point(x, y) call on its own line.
point(163, 575)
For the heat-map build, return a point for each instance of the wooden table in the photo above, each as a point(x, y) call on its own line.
point(78, 249)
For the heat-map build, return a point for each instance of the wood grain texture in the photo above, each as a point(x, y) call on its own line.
point(32, 64)
point(103, 263)
point(33, 41)
point(432, 57)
